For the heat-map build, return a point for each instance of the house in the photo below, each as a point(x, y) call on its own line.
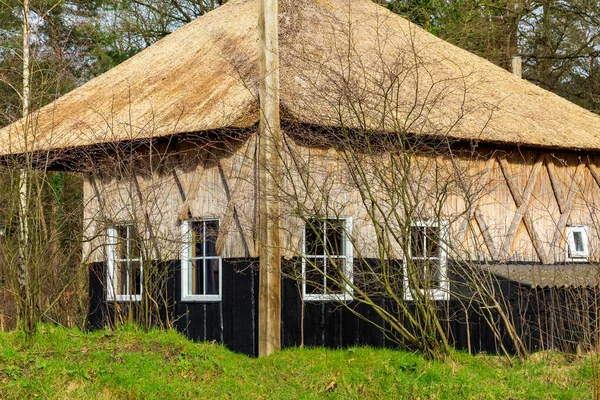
point(404, 157)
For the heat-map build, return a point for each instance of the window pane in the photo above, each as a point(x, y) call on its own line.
point(426, 273)
point(417, 241)
point(419, 273)
point(433, 242)
point(334, 280)
point(197, 239)
point(395, 277)
point(134, 243)
point(121, 277)
point(121, 242)
point(127, 273)
point(135, 278)
point(192, 271)
point(196, 277)
point(204, 273)
point(212, 276)
point(314, 276)
point(433, 274)
point(578, 240)
point(314, 237)
point(211, 232)
point(335, 236)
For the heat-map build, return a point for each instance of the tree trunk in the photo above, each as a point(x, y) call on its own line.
point(25, 299)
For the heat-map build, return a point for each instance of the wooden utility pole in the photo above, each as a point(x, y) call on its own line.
point(269, 146)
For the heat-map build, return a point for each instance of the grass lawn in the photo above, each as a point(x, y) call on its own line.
point(131, 364)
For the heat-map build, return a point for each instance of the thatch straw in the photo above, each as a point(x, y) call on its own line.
point(343, 63)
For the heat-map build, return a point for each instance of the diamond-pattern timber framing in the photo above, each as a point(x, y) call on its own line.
point(234, 197)
point(475, 212)
point(189, 196)
point(522, 200)
point(232, 178)
point(564, 188)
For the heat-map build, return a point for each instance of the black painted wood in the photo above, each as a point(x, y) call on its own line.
point(97, 311)
point(243, 319)
point(291, 314)
point(539, 313)
point(228, 305)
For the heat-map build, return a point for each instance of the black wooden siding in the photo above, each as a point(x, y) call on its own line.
point(538, 314)
point(231, 321)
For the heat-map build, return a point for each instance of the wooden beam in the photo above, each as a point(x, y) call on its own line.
point(179, 185)
point(233, 197)
point(269, 147)
point(193, 188)
point(535, 239)
point(564, 217)
point(594, 171)
point(99, 198)
point(464, 228)
point(159, 156)
point(146, 217)
point(519, 198)
point(556, 185)
point(522, 202)
point(485, 232)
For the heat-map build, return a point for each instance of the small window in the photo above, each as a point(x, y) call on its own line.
point(201, 272)
point(327, 259)
point(124, 270)
point(425, 264)
point(577, 243)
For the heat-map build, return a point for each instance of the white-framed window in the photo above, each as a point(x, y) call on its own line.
point(577, 243)
point(124, 269)
point(327, 259)
point(425, 266)
point(201, 272)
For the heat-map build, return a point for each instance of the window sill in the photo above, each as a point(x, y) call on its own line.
point(577, 259)
point(125, 299)
point(328, 297)
point(201, 299)
point(434, 294)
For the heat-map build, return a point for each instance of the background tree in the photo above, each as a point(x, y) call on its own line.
point(560, 44)
point(70, 42)
point(33, 207)
point(141, 23)
point(559, 41)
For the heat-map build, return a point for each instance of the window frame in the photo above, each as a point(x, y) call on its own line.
point(111, 270)
point(443, 292)
point(186, 260)
point(348, 265)
point(577, 256)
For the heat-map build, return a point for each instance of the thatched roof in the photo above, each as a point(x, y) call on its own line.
point(343, 63)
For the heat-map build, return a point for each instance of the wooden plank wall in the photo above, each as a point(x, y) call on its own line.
point(191, 181)
point(548, 318)
point(503, 205)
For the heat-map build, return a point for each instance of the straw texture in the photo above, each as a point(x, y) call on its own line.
point(343, 63)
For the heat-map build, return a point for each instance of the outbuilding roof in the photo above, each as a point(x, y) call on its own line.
point(547, 276)
point(345, 63)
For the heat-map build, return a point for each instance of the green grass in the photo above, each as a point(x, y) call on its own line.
point(129, 363)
